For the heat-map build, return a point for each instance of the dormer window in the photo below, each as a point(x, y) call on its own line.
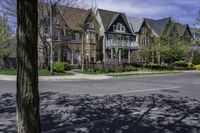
point(90, 26)
point(119, 28)
point(123, 29)
point(114, 27)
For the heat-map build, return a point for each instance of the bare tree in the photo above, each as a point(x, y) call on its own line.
point(45, 6)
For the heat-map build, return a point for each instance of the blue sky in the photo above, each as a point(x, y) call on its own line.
point(184, 11)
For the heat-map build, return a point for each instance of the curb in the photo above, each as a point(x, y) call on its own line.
point(60, 78)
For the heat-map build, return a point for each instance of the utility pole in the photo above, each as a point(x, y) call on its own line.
point(51, 40)
point(82, 65)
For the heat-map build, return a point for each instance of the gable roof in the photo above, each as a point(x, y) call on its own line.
point(109, 17)
point(135, 23)
point(158, 25)
point(195, 32)
point(181, 28)
point(73, 17)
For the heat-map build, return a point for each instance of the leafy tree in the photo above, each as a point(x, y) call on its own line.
point(28, 111)
point(198, 19)
point(4, 38)
point(196, 58)
point(173, 49)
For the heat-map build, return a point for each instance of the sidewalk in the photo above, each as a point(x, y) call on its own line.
point(77, 76)
point(81, 76)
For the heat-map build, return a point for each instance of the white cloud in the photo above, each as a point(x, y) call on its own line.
point(154, 8)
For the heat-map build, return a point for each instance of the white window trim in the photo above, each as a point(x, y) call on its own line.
point(119, 28)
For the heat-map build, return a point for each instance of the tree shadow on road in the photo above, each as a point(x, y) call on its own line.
point(62, 113)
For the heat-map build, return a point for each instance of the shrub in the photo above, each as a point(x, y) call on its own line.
point(94, 70)
point(129, 68)
point(118, 69)
point(181, 64)
point(190, 64)
point(184, 68)
point(60, 67)
point(197, 67)
point(196, 58)
point(111, 65)
point(153, 66)
point(158, 67)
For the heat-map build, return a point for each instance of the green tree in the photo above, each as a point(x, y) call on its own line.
point(4, 38)
point(28, 111)
point(196, 58)
point(197, 43)
point(173, 49)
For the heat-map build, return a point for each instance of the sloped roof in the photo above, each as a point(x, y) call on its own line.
point(158, 25)
point(108, 18)
point(181, 28)
point(195, 31)
point(135, 23)
point(74, 17)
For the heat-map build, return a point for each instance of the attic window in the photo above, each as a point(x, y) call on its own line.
point(119, 28)
point(90, 25)
point(123, 28)
point(114, 27)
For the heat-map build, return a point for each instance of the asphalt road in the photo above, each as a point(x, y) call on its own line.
point(177, 106)
point(184, 85)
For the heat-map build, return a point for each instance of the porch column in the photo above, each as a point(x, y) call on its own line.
point(120, 55)
point(111, 53)
point(104, 48)
point(72, 58)
point(129, 56)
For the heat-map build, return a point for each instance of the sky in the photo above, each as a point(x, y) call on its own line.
point(183, 11)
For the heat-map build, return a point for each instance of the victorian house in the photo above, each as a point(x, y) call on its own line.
point(117, 38)
point(147, 30)
point(81, 36)
point(75, 36)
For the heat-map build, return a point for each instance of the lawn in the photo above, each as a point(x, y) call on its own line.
point(143, 73)
point(41, 72)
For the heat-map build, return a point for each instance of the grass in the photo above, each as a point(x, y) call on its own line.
point(41, 72)
point(144, 73)
point(89, 72)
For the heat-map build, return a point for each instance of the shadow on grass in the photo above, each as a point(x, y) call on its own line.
point(109, 114)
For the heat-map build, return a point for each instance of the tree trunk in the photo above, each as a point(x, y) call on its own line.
point(28, 116)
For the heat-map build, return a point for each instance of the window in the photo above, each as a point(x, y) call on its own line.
point(46, 30)
point(93, 38)
point(90, 37)
point(126, 40)
point(55, 20)
point(123, 28)
point(90, 26)
point(77, 37)
point(56, 34)
point(114, 27)
point(110, 39)
point(119, 27)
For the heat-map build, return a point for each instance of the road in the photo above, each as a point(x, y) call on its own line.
point(184, 85)
point(65, 108)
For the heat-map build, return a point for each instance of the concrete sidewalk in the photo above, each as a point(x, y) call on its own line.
point(81, 76)
point(77, 76)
